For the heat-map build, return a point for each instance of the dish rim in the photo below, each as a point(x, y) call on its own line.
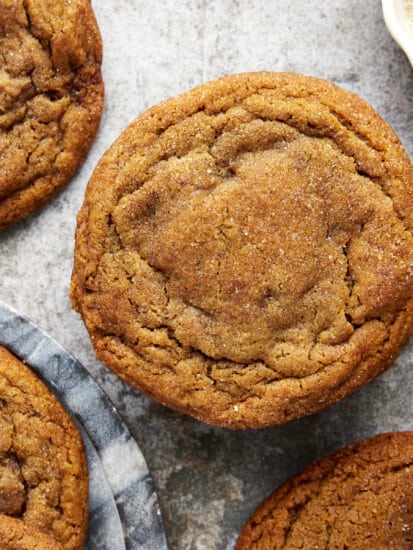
point(394, 14)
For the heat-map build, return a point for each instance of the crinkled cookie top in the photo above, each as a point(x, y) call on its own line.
point(51, 98)
point(244, 251)
point(359, 497)
point(43, 469)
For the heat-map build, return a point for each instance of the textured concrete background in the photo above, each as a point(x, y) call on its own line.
point(209, 480)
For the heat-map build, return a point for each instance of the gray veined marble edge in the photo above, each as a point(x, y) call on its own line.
point(105, 527)
point(107, 439)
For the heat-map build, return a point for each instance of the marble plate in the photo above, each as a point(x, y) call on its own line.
point(123, 507)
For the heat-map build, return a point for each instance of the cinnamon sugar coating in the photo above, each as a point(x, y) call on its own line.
point(244, 251)
point(15, 534)
point(358, 498)
point(43, 468)
point(51, 98)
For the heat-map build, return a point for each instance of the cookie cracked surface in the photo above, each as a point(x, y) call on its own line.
point(43, 469)
point(244, 251)
point(358, 498)
point(51, 98)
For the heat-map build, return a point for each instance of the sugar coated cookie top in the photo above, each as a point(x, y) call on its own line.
point(244, 251)
point(358, 498)
point(51, 98)
point(43, 469)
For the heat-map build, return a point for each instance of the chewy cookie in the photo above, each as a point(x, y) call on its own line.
point(244, 251)
point(359, 498)
point(16, 534)
point(43, 469)
point(51, 98)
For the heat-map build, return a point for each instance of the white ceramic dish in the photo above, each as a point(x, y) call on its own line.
point(400, 25)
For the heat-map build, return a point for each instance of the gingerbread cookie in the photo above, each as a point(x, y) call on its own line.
point(51, 98)
point(244, 251)
point(43, 468)
point(359, 498)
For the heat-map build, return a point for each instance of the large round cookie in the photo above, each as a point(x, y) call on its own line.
point(16, 534)
point(244, 251)
point(43, 469)
point(360, 498)
point(51, 98)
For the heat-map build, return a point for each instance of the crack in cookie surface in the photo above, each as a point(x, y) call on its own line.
point(51, 97)
point(43, 471)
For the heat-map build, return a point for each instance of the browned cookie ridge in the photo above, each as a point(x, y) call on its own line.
point(244, 251)
point(43, 469)
point(15, 534)
point(51, 98)
point(360, 498)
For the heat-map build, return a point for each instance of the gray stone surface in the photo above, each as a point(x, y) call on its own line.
point(209, 480)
